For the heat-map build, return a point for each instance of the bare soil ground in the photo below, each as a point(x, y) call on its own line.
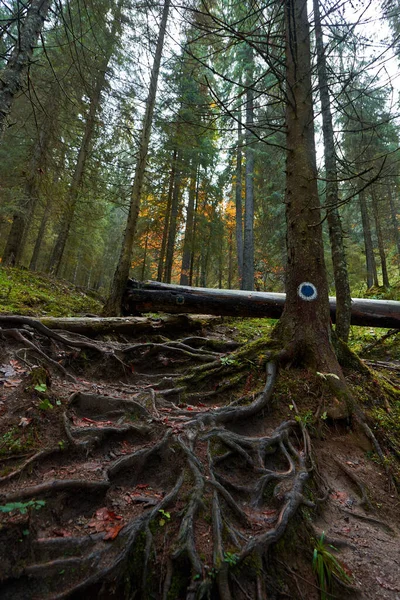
point(154, 467)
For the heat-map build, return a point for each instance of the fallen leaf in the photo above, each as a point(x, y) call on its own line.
point(24, 422)
point(142, 486)
point(12, 382)
point(113, 532)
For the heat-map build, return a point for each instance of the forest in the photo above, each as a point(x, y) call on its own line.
point(148, 150)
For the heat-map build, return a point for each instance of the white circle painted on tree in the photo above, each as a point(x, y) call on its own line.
point(307, 291)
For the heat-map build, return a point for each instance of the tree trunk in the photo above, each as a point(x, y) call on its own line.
point(161, 297)
point(84, 150)
point(372, 275)
point(305, 323)
point(113, 304)
point(21, 220)
point(11, 76)
point(160, 269)
point(40, 236)
point(395, 225)
point(238, 201)
point(343, 294)
point(172, 228)
point(248, 242)
point(381, 246)
point(188, 240)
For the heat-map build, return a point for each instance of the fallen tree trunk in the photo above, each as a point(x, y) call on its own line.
point(153, 296)
point(95, 326)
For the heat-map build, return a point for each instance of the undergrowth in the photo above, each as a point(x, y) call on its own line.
point(24, 292)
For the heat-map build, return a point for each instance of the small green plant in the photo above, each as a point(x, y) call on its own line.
point(61, 444)
point(22, 507)
point(227, 361)
point(326, 566)
point(166, 516)
point(40, 387)
point(231, 558)
point(46, 404)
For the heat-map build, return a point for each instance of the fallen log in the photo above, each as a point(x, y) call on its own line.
point(152, 296)
point(131, 326)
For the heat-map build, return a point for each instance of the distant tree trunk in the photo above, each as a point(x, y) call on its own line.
point(188, 239)
point(230, 259)
point(113, 304)
point(372, 275)
point(146, 243)
point(172, 228)
point(40, 236)
point(23, 219)
point(11, 76)
point(305, 323)
point(167, 216)
point(248, 243)
point(84, 150)
point(238, 201)
point(381, 246)
point(343, 294)
point(395, 225)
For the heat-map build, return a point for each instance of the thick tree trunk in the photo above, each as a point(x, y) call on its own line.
point(188, 239)
point(305, 323)
point(11, 76)
point(248, 242)
point(113, 304)
point(381, 245)
point(152, 296)
point(372, 275)
point(167, 216)
point(238, 201)
point(343, 294)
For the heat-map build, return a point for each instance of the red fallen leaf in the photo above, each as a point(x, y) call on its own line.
point(189, 407)
point(113, 532)
point(201, 404)
point(269, 512)
point(132, 368)
point(142, 486)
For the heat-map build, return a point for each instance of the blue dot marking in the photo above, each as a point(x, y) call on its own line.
point(307, 291)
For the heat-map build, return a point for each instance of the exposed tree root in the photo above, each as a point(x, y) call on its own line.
point(186, 479)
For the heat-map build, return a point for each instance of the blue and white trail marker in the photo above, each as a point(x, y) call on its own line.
point(307, 291)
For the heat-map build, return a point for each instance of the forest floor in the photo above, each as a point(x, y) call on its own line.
point(122, 473)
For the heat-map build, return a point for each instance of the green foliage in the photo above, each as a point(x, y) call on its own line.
point(227, 360)
point(41, 387)
point(325, 566)
point(166, 516)
point(45, 404)
point(22, 507)
point(231, 558)
point(15, 441)
point(26, 293)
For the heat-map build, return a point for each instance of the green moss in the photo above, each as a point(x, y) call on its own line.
point(28, 293)
point(15, 441)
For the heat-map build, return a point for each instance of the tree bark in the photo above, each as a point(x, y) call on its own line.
point(381, 245)
point(113, 304)
point(11, 76)
point(188, 239)
point(160, 269)
point(342, 286)
point(305, 323)
point(372, 275)
point(238, 201)
point(248, 241)
point(172, 228)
